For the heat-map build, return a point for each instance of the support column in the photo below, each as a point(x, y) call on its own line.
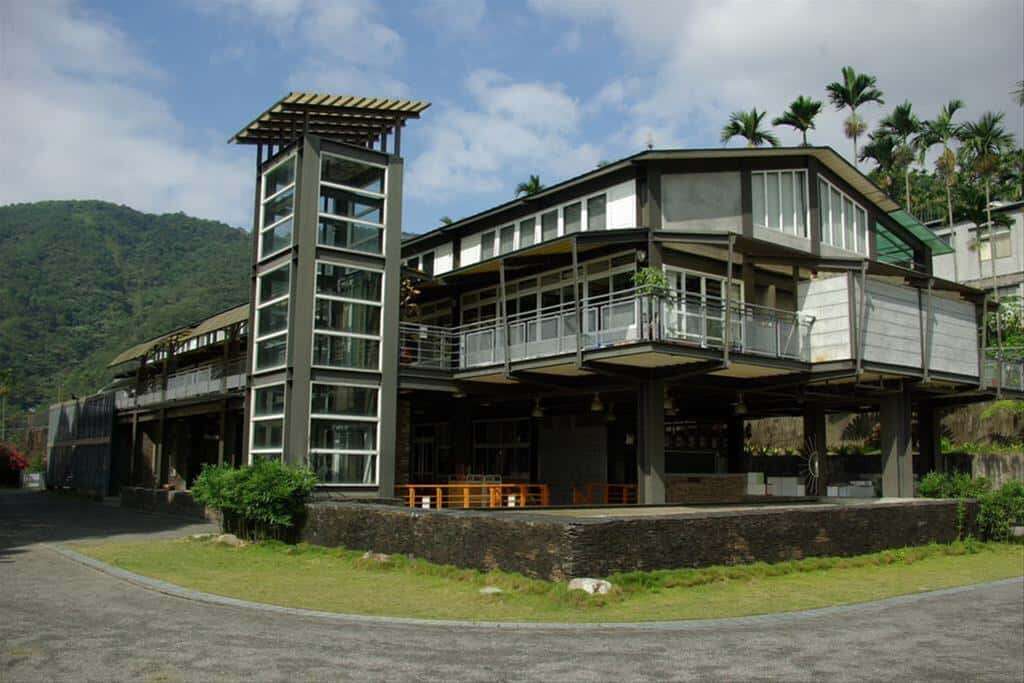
point(929, 434)
point(650, 455)
point(816, 444)
point(897, 462)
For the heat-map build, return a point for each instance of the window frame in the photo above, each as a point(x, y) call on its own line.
point(355, 190)
point(858, 209)
point(260, 305)
point(379, 337)
point(263, 229)
point(253, 419)
point(807, 204)
point(341, 417)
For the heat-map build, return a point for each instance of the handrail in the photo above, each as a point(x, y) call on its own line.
point(473, 495)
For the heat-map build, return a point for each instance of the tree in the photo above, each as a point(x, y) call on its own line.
point(881, 149)
point(984, 141)
point(6, 384)
point(747, 125)
point(800, 115)
point(447, 220)
point(1018, 93)
point(904, 126)
point(530, 187)
point(942, 131)
point(855, 90)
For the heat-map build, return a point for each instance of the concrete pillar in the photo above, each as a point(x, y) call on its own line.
point(738, 462)
point(897, 461)
point(929, 434)
point(816, 442)
point(650, 456)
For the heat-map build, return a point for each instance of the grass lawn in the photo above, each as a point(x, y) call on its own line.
point(340, 581)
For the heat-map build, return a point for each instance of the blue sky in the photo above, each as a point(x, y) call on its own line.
point(133, 101)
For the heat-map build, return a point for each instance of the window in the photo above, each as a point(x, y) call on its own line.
point(549, 225)
point(698, 314)
point(272, 319)
point(347, 317)
point(572, 218)
point(507, 241)
point(277, 208)
point(427, 263)
point(527, 232)
point(778, 201)
point(596, 214)
point(844, 222)
point(502, 447)
point(487, 245)
point(343, 434)
point(1001, 240)
point(351, 205)
point(267, 423)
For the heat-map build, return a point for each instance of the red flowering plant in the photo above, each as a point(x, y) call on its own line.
point(11, 458)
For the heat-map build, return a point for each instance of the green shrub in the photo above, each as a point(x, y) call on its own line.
point(956, 485)
point(263, 501)
point(1001, 510)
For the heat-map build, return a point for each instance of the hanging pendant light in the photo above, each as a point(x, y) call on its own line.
point(538, 409)
point(596, 406)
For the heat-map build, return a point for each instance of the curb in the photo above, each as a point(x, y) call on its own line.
point(176, 591)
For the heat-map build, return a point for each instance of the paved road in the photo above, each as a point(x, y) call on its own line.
point(60, 620)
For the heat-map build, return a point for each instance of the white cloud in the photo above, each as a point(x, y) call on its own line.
point(461, 18)
point(695, 62)
point(345, 79)
point(511, 129)
point(80, 123)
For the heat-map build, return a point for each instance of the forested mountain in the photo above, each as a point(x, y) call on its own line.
point(82, 280)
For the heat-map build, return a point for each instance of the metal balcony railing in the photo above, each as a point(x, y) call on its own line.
point(210, 378)
point(1003, 368)
point(611, 319)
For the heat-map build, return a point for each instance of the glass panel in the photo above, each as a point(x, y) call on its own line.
point(272, 318)
point(486, 245)
point(1003, 246)
point(757, 199)
point(849, 242)
point(342, 435)
point(800, 204)
point(351, 173)
point(267, 433)
point(427, 263)
point(352, 283)
point(346, 352)
point(823, 213)
point(788, 219)
point(332, 232)
point(351, 205)
point(837, 217)
point(508, 236)
point(278, 178)
point(549, 225)
point(270, 353)
point(277, 238)
point(527, 231)
point(773, 200)
point(274, 284)
point(571, 217)
point(268, 400)
point(344, 468)
point(596, 213)
point(268, 457)
point(341, 316)
point(278, 207)
point(622, 281)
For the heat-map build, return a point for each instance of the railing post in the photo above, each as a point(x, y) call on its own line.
point(727, 332)
point(778, 337)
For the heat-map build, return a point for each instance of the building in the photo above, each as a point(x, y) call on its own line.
point(600, 341)
point(974, 257)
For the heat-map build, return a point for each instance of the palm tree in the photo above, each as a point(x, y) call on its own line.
point(747, 124)
point(447, 220)
point(854, 91)
point(881, 149)
point(983, 142)
point(905, 127)
point(800, 115)
point(942, 131)
point(530, 187)
point(1018, 94)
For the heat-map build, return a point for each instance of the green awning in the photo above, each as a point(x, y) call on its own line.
point(922, 233)
point(894, 250)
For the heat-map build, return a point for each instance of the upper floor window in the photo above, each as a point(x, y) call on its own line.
point(999, 242)
point(276, 208)
point(779, 201)
point(844, 222)
point(351, 205)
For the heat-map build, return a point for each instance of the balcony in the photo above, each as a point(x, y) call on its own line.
point(615, 319)
point(202, 380)
point(1003, 370)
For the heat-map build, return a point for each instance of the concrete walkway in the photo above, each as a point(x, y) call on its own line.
point(61, 620)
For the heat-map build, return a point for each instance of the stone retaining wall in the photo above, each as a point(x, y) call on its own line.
point(560, 547)
point(706, 488)
point(165, 502)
